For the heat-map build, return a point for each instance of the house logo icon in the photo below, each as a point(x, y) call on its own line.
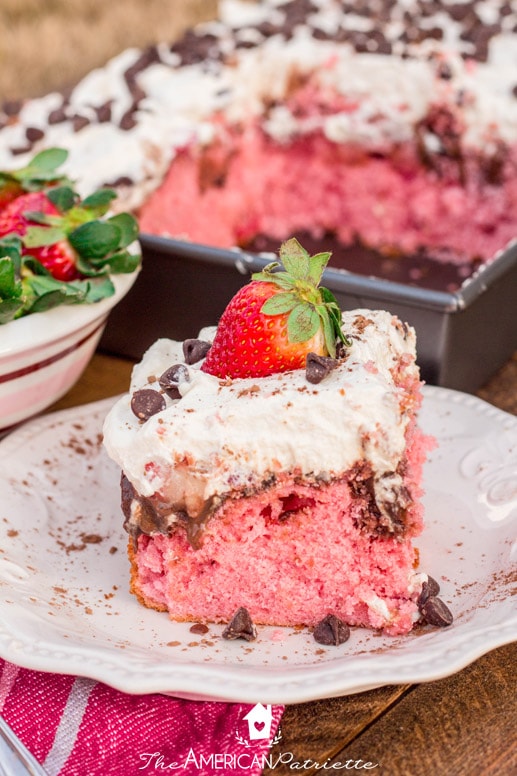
point(259, 721)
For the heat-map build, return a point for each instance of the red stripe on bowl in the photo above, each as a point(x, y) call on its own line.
point(51, 359)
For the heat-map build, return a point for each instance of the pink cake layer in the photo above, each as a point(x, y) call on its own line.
point(392, 203)
point(290, 554)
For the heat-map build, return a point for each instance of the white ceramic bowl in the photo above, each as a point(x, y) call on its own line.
point(42, 355)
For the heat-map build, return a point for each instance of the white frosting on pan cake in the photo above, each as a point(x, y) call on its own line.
point(391, 66)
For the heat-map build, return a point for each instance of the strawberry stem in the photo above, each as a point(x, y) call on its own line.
point(309, 305)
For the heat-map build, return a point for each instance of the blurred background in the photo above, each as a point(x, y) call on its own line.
point(47, 45)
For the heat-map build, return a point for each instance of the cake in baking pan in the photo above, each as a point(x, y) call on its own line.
point(388, 126)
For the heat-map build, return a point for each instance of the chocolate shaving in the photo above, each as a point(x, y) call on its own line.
point(240, 626)
point(146, 403)
point(331, 631)
point(435, 612)
point(172, 377)
point(194, 350)
point(318, 367)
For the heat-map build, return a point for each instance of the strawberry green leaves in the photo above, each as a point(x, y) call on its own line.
point(41, 171)
point(102, 245)
point(27, 287)
point(55, 247)
point(310, 307)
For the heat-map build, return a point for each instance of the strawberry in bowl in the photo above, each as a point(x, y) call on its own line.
point(64, 263)
point(40, 173)
point(56, 248)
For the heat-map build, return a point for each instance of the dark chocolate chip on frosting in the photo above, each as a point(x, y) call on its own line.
point(172, 377)
point(331, 631)
point(57, 116)
point(435, 612)
point(147, 402)
point(318, 367)
point(194, 350)
point(33, 134)
point(79, 122)
point(240, 626)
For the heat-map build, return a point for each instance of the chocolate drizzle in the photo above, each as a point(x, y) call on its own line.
point(375, 517)
point(379, 517)
point(139, 513)
point(145, 516)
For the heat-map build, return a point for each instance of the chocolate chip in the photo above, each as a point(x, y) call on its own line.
point(240, 626)
point(122, 180)
point(318, 367)
point(429, 588)
point(33, 134)
point(148, 57)
point(194, 350)
point(128, 120)
point(57, 116)
point(12, 107)
point(146, 403)
point(104, 111)
point(172, 377)
point(435, 612)
point(79, 122)
point(199, 628)
point(194, 47)
point(331, 631)
point(444, 71)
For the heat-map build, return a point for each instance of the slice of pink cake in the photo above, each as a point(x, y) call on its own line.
point(294, 492)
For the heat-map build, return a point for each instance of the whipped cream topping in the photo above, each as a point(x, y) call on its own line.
point(226, 436)
point(124, 123)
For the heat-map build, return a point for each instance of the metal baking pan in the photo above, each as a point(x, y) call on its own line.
point(463, 336)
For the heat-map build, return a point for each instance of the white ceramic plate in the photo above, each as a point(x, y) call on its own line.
point(64, 604)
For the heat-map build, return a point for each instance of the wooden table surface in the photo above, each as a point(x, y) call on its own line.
point(463, 725)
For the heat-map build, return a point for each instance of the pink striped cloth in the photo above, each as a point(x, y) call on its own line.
point(79, 727)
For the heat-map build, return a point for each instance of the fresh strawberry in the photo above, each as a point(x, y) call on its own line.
point(66, 236)
point(17, 218)
point(274, 322)
point(14, 217)
point(40, 173)
point(59, 259)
